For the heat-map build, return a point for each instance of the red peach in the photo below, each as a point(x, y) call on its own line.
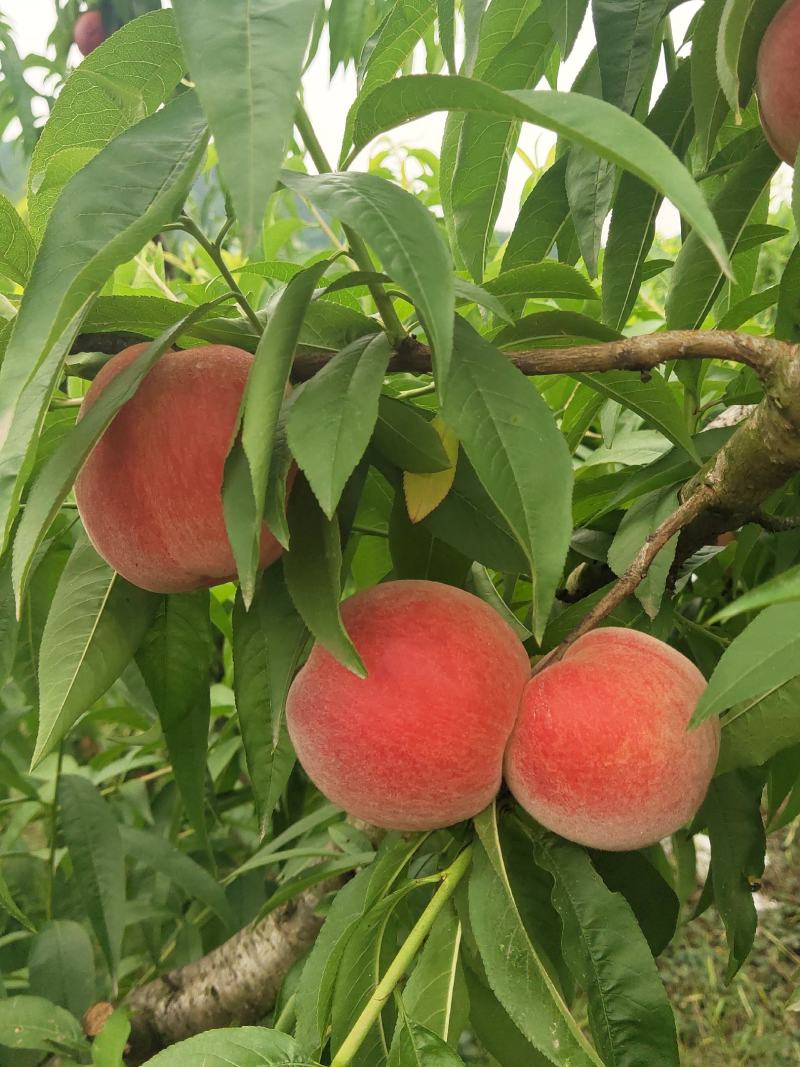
point(149, 492)
point(778, 86)
point(601, 754)
point(417, 744)
point(89, 32)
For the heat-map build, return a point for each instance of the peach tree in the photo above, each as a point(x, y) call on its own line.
point(574, 422)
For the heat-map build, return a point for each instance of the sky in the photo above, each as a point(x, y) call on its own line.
point(327, 103)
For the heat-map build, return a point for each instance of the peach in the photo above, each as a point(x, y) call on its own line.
point(417, 744)
point(601, 753)
point(778, 86)
point(89, 31)
point(149, 493)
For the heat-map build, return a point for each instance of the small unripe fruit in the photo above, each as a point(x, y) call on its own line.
point(89, 32)
point(601, 754)
point(778, 84)
point(149, 493)
point(417, 744)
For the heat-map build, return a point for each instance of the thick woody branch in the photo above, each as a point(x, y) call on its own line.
point(237, 983)
point(630, 353)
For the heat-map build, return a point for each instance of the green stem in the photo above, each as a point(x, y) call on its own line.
point(358, 249)
point(215, 252)
point(399, 965)
point(51, 868)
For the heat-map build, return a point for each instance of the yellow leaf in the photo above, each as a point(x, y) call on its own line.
point(424, 492)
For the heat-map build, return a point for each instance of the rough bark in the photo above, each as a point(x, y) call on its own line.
point(236, 984)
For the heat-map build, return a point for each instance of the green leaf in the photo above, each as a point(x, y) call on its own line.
point(386, 51)
point(629, 1013)
point(729, 45)
point(495, 1030)
point(516, 972)
point(154, 851)
point(566, 18)
point(417, 554)
point(35, 1023)
point(708, 99)
point(652, 900)
point(468, 520)
point(639, 522)
point(547, 279)
point(625, 31)
point(733, 816)
point(764, 656)
point(8, 904)
point(696, 276)
point(313, 575)
point(121, 82)
point(446, 18)
point(331, 422)
point(636, 206)
point(59, 472)
point(407, 439)
point(468, 292)
point(781, 589)
point(268, 642)
point(501, 421)
point(17, 250)
point(595, 124)
point(91, 231)
point(245, 1046)
point(544, 220)
point(486, 146)
point(481, 583)
point(652, 399)
point(431, 995)
point(248, 462)
point(416, 1046)
point(350, 905)
point(247, 67)
point(757, 729)
point(404, 235)
point(61, 966)
point(110, 1044)
point(175, 660)
point(98, 861)
point(96, 622)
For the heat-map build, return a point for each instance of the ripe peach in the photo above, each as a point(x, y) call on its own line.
point(149, 492)
point(601, 753)
point(778, 87)
point(89, 31)
point(417, 744)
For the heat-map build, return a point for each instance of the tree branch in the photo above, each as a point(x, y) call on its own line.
point(699, 502)
point(236, 983)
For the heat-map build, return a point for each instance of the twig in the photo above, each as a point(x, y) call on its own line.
point(215, 252)
point(776, 523)
point(700, 501)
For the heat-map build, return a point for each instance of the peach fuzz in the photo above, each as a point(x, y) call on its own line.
point(89, 32)
point(149, 493)
point(601, 754)
point(778, 83)
point(417, 744)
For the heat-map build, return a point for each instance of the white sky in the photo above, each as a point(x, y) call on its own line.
point(327, 103)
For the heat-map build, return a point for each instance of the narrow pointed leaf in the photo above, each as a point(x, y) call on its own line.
point(61, 966)
point(96, 622)
point(511, 439)
point(313, 575)
point(403, 234)
point(91, 231)
point(268, 642)
point(595, 124)
point(95, 848)
point(515, 971)
point(331, 422)
point(245, 1046)
point(35, 1023)
point(246, 66)
point(175, 660)
point(543, 221)
point(17, 250)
